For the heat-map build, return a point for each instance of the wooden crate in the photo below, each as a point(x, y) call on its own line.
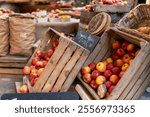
point(139, 16)
point(136, 78)
point(62, 67)
point(114, 8)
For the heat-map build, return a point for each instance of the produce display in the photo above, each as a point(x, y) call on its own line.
point(38, 64)
point(112, 2)
point(104, 75)
point(56, 14)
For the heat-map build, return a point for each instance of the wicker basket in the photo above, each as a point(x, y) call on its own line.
point(138, 17)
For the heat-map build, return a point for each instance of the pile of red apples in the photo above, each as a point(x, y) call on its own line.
point(109, 71)
point(113, 2)
point(37, 66)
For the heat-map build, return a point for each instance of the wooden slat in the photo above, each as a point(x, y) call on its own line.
point(15, 65)
point(139, 82)
point(62, 62)
point(9, 58)
point(76, 69)
point(18, 85)
point(92, 92)
point(51, 65)
point(132, 70)
point(142, 88)
point(134, 79)
point(10, 71)
point(83, 92)
point(69, 66)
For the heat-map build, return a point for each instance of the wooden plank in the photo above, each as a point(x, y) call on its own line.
point(18, 85)
point(82, 92)
point(10, 71)
point(91, 91)
point(142, 88)
point(18, 59)
point(137, 85)
point(103, 49)
point(76, 69)
point(62, 62)
point(129, 89)
point(16, 65)
point(132, 70)
point(63, 44)
point(69, 66)
point(13, 76)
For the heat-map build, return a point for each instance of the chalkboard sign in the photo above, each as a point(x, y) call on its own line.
point(86, 40)
point(41, 96)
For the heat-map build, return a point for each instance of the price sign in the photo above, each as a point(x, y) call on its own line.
point(86, 40)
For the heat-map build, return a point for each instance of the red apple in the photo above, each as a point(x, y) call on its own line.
point(116, 45)
point(87, 77)
point(33, 75)
point(92, 66)
point(56, 43)
point(120, 52)
point(121, 74)
point(46, 57)
point(108, 84)
point(119, 63)
point(101, 67)
point(32, 82)
point(24, 89)
point(34, 60)
point(95, 74)
point(50, 52)
point(130, 48)
point(107, 74)
point(100, 80)
point(111, 89)
point(40, 54)
point(124, 45)
point(93, 84)
point(114, 79)
point(44, 63)
point(85, 70)
point(110, 66)
point(116, 70)
point(26, 70)
point(39, 64)
point(115, 56)
point(34, 70)
point(32, 67)
point(126, 58)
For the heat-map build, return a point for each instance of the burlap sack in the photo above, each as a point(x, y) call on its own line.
point(4, 36)
point(22, 35)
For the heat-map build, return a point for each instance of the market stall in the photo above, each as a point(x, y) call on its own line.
point(83, 51)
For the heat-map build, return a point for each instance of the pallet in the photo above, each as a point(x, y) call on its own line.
point(12, 66)
point(62, 68)
point(135, 79)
